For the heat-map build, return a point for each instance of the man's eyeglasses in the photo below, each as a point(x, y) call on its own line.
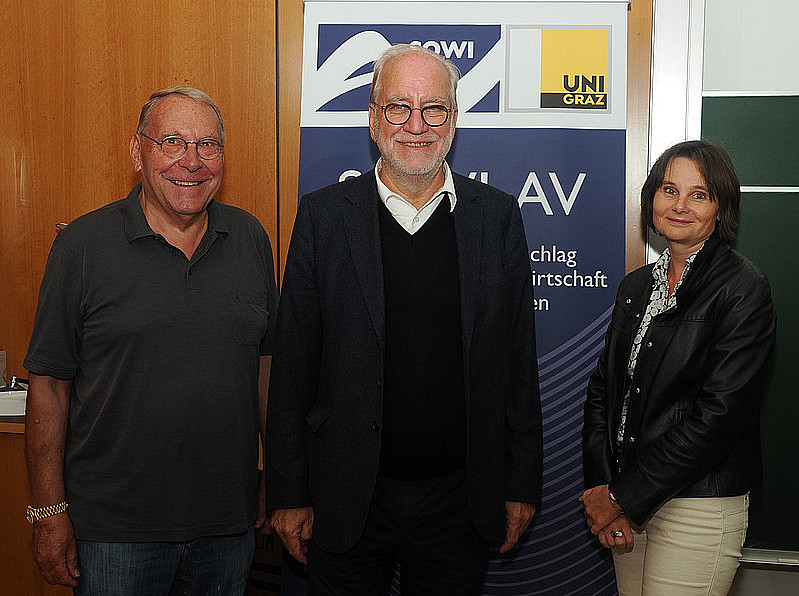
point(175, 147)
point(399, 113)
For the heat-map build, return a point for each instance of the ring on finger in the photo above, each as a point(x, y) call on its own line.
point(617, 533)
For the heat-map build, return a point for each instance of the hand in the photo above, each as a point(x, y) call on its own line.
point(598, 510)
point(623, 543)
point(295, 527)
point(519, 516)
point(262, 521)
point(55, 550)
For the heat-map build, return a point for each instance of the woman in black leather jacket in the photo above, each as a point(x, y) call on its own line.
point(671, 440)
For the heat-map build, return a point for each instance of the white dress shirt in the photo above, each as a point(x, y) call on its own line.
point(406, 214)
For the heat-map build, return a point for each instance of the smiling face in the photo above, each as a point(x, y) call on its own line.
point(412, 150)
point(682, 210)
point(180, 189)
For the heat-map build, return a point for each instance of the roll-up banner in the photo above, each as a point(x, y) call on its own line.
point(542, 116)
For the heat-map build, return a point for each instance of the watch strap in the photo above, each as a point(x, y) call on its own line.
point(34, 514)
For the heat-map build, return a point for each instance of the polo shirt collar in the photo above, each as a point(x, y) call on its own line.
point(136, 226)
point(133, 219)
point(217, 219)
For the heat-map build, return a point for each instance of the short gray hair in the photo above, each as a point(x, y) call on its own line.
point(191, 93)
point(403, 48)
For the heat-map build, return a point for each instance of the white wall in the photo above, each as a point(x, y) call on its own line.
point(751, 46)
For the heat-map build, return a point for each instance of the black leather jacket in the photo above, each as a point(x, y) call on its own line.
point(693, 423)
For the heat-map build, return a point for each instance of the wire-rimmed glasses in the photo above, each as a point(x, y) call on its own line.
point(175, 147)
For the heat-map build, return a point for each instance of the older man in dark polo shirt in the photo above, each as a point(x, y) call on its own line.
point(151, 342)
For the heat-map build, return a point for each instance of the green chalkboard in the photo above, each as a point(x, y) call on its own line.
point(768, 237)
point(761, 133)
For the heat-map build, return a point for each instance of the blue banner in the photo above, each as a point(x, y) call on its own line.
point(541, 116)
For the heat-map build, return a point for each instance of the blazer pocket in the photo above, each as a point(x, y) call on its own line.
point(316, 418)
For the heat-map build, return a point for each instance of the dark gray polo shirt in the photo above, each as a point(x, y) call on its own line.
point(162, 442)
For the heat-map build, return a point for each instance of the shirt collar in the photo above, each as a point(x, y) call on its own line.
point(217, 219)
point(661, 269)
point(136, 226)
point(448, 187)
point(133, 219)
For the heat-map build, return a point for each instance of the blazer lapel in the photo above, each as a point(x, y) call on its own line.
point(362, 229)
point(468, 232)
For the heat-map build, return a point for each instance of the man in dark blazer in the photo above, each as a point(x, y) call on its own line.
point(404, 419)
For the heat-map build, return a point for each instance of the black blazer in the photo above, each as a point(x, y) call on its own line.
point(326, 386)
point(693, 423)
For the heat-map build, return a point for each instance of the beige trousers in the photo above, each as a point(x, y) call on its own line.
point(689, 547)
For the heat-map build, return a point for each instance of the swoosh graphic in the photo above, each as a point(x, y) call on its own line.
point(331, 79)
point(482, 77)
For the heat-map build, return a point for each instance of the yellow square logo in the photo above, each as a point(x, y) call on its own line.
point(574, 69)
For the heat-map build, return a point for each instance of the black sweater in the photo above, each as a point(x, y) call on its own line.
point(424, 409)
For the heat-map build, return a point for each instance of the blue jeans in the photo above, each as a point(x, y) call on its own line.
point(209, 565)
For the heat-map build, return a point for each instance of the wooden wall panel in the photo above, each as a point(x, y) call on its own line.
point(74, 77)
point(290, 30)
point(639, 60)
